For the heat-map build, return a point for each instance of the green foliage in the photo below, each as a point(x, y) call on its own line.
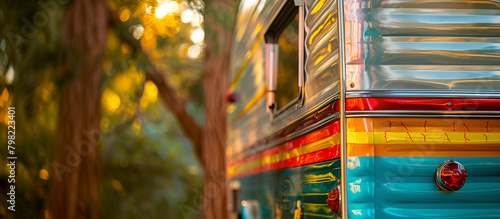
point(33, 53)
point(150, 171)
point(148, 165)
point(135, 5)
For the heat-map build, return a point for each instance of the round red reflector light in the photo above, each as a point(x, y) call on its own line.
point(451, 175)
point(334, 200)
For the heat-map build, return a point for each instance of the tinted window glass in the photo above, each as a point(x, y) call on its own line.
point(288, 67)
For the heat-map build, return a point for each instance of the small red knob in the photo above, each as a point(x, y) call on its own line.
point(232, 97)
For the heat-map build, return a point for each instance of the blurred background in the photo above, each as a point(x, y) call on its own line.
point(124, 71)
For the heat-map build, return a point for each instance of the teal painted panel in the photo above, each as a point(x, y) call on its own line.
point(404, 187)
point(277, 192)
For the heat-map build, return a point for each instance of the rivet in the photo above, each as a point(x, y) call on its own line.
point(352, 85)
point(449, 103)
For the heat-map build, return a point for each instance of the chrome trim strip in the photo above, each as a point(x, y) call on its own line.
point(292, 136)
point(301, 46)
point(295, 102)
point(271, 74)
point(302, 116)
point(423, 94)
point(343, 128)
point(422, 114)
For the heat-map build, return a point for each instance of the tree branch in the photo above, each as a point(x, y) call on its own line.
point(108, 148)
point(177, 106)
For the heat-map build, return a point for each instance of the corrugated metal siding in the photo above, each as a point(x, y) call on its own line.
point(322, 50)
point(433, 45)
point(321, 69)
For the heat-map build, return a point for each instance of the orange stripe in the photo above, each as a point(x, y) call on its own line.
point(329, 153)
point(360, 150)
point(423, 150)
point(432, 137)
point(316, 146)
point(365, 139)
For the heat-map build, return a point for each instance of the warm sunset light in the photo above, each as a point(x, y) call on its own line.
point(197, 35)
point(208, 109)
point(187, 16)
point(167, 8)
point(43, 174)
point(162, 10)
point(194, 51)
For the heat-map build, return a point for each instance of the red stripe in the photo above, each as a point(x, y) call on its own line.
point(324, 132)
point(313, 157)
point(310, 120)
point(422, 104)
point(358, 104)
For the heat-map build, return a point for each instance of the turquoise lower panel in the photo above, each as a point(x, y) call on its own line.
point(405, 187)
point(276, 192)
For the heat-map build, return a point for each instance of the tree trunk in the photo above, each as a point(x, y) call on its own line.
point(214, 140)
point(209, 142)
point(75, 182)
point(215, 83)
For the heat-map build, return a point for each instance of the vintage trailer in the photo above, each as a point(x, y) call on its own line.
point(365, 109)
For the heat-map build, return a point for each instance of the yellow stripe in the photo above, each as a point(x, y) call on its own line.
point(368, 137)
point(247, 57)
point(422, 138)
point(294, 153)
point(251, 103)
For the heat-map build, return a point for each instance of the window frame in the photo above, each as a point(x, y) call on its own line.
point(286, 15)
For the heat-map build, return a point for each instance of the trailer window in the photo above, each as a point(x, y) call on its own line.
point(287, 88)
point(283, 54)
